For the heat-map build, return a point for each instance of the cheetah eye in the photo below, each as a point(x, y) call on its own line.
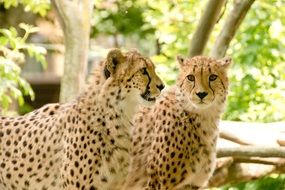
point(144, 71)
point(191, 77)
point(213, 77)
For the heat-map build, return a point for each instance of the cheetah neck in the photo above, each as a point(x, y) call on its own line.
point(95, 81)
point(106, 107)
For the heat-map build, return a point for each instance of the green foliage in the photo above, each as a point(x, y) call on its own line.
point(168, 24)
point(12, 49)
point(174, 23)
point(39, 6)
point(257, 78)
point(119, 17)
point(272, 182)
point(258, 49)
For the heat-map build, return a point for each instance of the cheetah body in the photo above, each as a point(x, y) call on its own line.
point(82, 144)
point(174, 141)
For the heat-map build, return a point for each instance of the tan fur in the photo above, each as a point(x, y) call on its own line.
point(174, 141)
point(82, 144)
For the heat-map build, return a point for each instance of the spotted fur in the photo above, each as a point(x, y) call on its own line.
point(82, 144)
point(174, 141)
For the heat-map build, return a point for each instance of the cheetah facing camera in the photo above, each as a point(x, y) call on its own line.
point(82, 144)
point(174, 141)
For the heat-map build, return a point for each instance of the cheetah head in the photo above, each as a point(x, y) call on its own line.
point(203, 80)
point(134, 75)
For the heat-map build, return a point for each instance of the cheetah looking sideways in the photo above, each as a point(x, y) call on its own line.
point(174, 141)
point(83, 144)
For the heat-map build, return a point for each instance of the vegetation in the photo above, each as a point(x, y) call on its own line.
point(39, 7)
point(13, 50)
point(12, 55)
point(258, 87)
point(273, 182)
point(257, 76)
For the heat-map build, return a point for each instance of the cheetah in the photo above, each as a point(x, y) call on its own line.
point(174, 141)
point(82, 144)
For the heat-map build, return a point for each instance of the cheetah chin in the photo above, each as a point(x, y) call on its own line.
point(146, 96)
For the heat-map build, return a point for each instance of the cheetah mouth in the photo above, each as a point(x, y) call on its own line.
point(147, 97)
point(202, 104)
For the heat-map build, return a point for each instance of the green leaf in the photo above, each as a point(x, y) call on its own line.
point(3, 41)
point(12, 85)
point(5, 101)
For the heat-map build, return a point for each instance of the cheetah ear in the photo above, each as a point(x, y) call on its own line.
point(114, 58)
point(180, 60)
point(225, 62)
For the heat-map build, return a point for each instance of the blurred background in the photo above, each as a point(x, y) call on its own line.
point(32, 54)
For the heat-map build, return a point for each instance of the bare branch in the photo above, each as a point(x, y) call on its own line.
point(244, 163)
point(232, 23)
point(242, 133)
point(222, 12)
point(233, 170)
point(264, 161)
point(241, 172)
point(232, 137)
point(205, 26)
point(281, 142)
point(251, 151)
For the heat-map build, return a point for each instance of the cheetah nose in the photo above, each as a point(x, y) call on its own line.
point(202, 95)
point(160, 87)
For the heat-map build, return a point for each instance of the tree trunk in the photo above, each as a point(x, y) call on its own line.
point(74, 18)
point(205, 26)
point(230, 27)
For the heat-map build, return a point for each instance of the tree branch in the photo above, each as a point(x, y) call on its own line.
point(251, 151)
point(230, 27)
point(281, 142)
point(238, 163)
point(240, 172)
point(241, 133)
point(205, 26)
point(232, 137)
point(264, 161)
